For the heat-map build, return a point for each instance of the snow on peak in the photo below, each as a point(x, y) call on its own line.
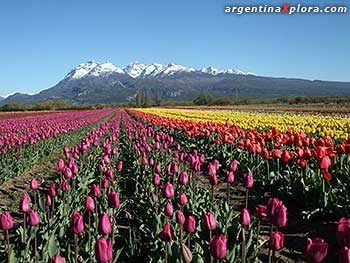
point(140, 70)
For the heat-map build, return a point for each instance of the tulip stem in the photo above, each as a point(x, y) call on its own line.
point(228, 193)
point(211, 257)
point(270, 251)
point(246, 197)
point(166, 254)
point(212, 195)
point(75, 247)
point(8, 246)
point(89, 231)
point(243, 246)
point(257, 237)
point(24, 227)
point(35, 245)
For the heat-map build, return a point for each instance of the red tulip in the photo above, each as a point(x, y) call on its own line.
point(6, 221)
point(77, 223)
point(190, 224)
point(218, 246)
point(34, 185)
point(180, 217)
point(103, 250)
point(167, 234)
point(168, 211)
point(324, 163)
point(248, 180)
point(276, 153)
point(344, 256)
point(34, 219)
point(113, 200)
point(276, 241)
point(89, 204)
point(57, 259)
point(25, 203)
point(168, 191)
point(183, 199)
point(104, 225)
point(316, 249)
point(245, 217)
point(210, 221)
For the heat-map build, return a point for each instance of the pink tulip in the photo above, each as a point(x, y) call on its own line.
point(183, 178)
point(279, 218)
point(95, 190)
point(156, 179)
point(53, 190)
point(180, 217)
point(25, 203)
point(230, 177)
point(34, 185)
point(316, 249)
point(343, 232)
point(119, 166)
point(6, 221)
point(167, 234)
point(210, 221)
point(103, 250)
point(190, 224)
point(104, 225)
point(67, 173)
point(245, 217)
point(77, 223)
point(65, 186)
point(34, 219)
point(218, 246)
point(276, 241)
point(261, 212)
point(168, 191)
point(168, 211)
point(58, 259)
point(158, 170)
point(89, 204)
point(113, 200)
point(248, 180)
point(344, 256)
point(183, 199)
point(60, 165)
point(233, 165)
point(109, 174)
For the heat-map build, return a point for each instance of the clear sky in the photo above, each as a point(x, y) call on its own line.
point(40, 41)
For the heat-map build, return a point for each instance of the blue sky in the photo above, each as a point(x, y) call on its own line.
point(40, 41)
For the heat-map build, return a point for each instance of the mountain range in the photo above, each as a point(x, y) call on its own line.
point(94, 82)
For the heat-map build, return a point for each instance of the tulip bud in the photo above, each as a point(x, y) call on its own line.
point(230, 177)
point(154, 198)
point(77, 223)
point(103, 250)
point(233, 165)
point(218, 246)
point(34, 185)
point(343, 232)
point(261, 212)
point(67, 173)
point(113, 200)
point(104, 225)
point(167, 234)
point(272, 204)
point(183, 178)
point(119, 166)
point(245, 217)
point(168, 191)
point(89, 204)
point(190, 224)
point(248, 180)
point(109, 174)
point(57, 259)
point(279, 218)
point(65, 186)
point(186, 253)
point(276, 241)
point(344, 256)
point(60, 165)
point(25, 203)
point(6, 221)
point(180, 217)
point(156, 179)
point(48, 200)
point(95, 190)
point(316, 249)
point(158, 170)
point(183, 199)
point(34, 219)
point(168, 211)
point(53, 190)
point(210, 221)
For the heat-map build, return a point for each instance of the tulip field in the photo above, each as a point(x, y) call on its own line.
point(175, 185)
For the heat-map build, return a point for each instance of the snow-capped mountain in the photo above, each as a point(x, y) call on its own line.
point(140, 70)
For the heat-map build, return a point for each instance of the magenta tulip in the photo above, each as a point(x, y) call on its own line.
point(248, 180)
point(276, 241)
point(25, 203)
point(95, 190)
point(167, 234)
point(34, 219)
point(344, 256)
point(245, 217)
point(316, 249)
point(218, 246)
point(190, 224)
point(34, 185)
point(77, 223)
point(89, 204)
point(58, 259)
point(343, 232)
point(168, 191)
point(6, 221)
point(119, 166)
point(210, 221)
point(180, 217)
point(183, 199)
point(230, 177)
point(60, 165)
point(279, 218)
point(113, 200)
point(156, 179)
point(168, 210)
point(65, 186)
point(104, 225)
point(183, 178)
point(103, 250)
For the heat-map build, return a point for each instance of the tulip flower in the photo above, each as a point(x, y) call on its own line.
point(343, 232)
point(25, 203)
point(245, 217)
point(261, 212)
point(119, 166)
point(276, 241)
point(344, 256)
point(186, 253)
point(104, 225)
point(77, 223)
point(34, 185)
point(60, 165)
point(248, 180)
point(230, 177)
point(218, 246)
point(103, 250)
point(180, 217)
point(233, 165)
point(89, 204)
point(324, 163)
point(210, 221)
point(168, 211)
point(65, 186)
point(168, 191)
point(53, 190)
point(183, 199)
point(183, 178)
point(190, 224)
point(95, 190)
point(167, 234)
point(113, 200)
point(57, 259)
point(67, 173)
point(6, 221)
point(156, 179)
point(272, 204)
point(279, 218)
point(105, 183)
point(316, 249)
point(34, 219)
